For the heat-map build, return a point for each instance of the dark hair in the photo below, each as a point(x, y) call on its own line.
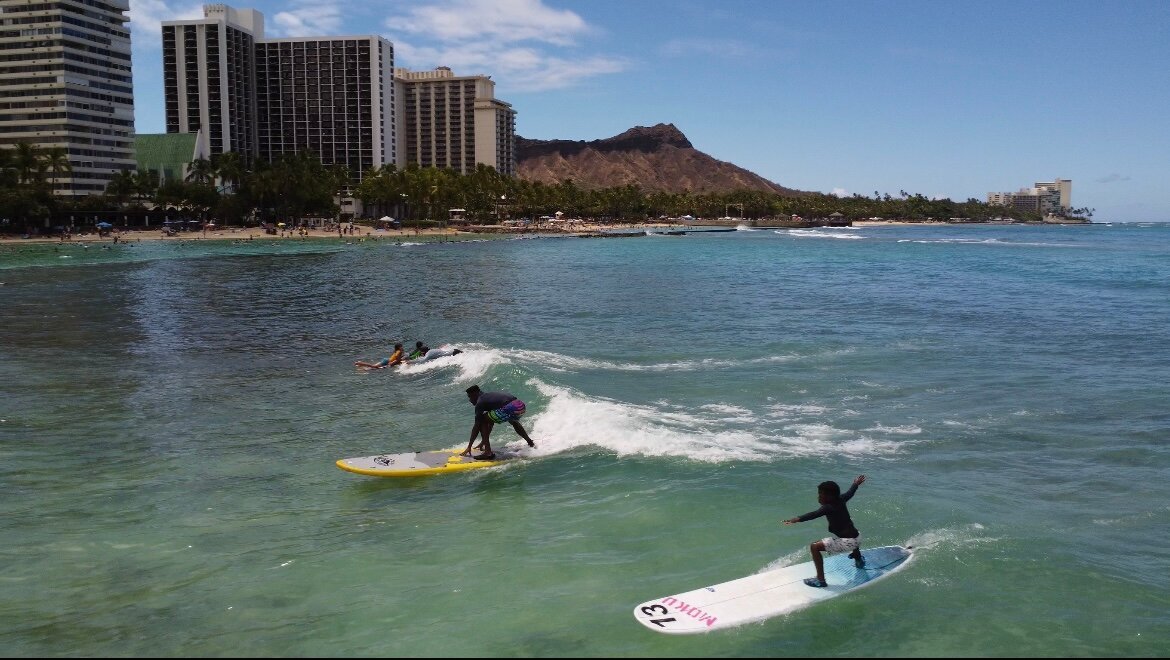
point(418, 343)
point(474, 389)
point(397, 345)
point(830, 488)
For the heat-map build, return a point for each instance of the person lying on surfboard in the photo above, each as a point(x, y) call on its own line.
point(420, 349)
point(845, 535)
point(429, 354)
point(394, 359)
point(490, 409)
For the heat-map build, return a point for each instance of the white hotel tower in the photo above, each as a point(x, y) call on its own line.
point(65, 82)
point(269, 97)
point(339, 97)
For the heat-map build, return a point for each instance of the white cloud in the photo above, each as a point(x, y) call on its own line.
point(726, 48)
point(1112, 178)
point(309, 18)
point(521, 43)
point(495, 20)
point(522, 68)
point(839, 192)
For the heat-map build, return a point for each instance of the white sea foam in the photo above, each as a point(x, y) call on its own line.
point(745, 228)
point(794, 557)
point(572, 420)
point(790, 410)
point(908, 429)
point(558, 362)
point(472, 363)
point(818, 233)
point(715, 432)
point(949, 537)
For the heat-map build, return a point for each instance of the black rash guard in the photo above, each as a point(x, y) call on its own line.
point(838, 515)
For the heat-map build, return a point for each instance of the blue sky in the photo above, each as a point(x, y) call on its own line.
point(939, 97)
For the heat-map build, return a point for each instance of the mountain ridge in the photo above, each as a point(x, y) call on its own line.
point(656, 158)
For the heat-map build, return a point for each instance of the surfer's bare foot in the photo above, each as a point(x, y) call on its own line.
point(485, 457)
point(531, 443)
point(815, 582)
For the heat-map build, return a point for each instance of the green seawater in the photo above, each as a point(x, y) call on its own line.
point(170, 415)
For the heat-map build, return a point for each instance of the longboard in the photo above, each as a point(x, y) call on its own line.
point(419, 463)
point(765, 595)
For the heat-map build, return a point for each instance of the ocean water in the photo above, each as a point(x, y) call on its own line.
point(170, 415)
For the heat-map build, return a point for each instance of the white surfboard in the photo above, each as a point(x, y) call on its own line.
point(765, 595)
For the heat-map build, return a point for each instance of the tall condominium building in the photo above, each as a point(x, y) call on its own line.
point(333, 96)
point(65, 82)
point(209, 77)
point(455, 121)
point(265, 98)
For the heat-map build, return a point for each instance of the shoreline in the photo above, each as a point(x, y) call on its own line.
point(362, 233)
point(365, 233)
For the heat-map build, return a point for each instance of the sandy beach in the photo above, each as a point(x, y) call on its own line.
point(359, 232)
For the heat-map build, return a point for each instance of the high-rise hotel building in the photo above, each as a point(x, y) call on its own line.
point(339, 97)
point(266, 98)
point(65, 82)
point(209, 77)
point(333, 96)
point(455, 121)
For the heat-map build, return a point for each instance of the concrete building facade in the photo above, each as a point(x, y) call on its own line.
point(209, 77)
point(265, 98)
point(333, 96)
point(1047, 197)
point(65, 81)
point(455, 122)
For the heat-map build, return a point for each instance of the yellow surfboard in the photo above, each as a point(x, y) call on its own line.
point(419, 463)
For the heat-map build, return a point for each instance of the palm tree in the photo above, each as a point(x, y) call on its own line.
point(229, 167)
point(145, 184)
point(27, 161)
point(201, 170)
point(56, 160)
point(121, 187)
point(8, 176)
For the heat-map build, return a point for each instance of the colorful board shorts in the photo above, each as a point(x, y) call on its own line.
point(833, 544)
point(509, 412)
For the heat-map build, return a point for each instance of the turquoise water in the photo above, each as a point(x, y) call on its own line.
point(170, 416)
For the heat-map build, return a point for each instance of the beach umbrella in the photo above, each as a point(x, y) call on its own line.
point(280, 224)
point(104, 225)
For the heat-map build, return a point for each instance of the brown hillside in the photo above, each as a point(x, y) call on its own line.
point(656, 158)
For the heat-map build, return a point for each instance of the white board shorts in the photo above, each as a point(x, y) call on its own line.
point(834, 545)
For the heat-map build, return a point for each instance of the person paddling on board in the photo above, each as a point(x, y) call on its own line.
point(394, 359)
point(845, 535)
point(420, 349)
point(492, 408)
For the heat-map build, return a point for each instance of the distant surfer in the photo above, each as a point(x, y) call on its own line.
point(492, 408)
point(420, 349)
point(430, 354)
point(845, 535)
point(394, 359)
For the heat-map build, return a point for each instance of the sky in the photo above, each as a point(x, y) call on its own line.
point(944, 98)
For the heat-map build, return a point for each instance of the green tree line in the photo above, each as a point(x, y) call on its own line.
point(299, 185)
